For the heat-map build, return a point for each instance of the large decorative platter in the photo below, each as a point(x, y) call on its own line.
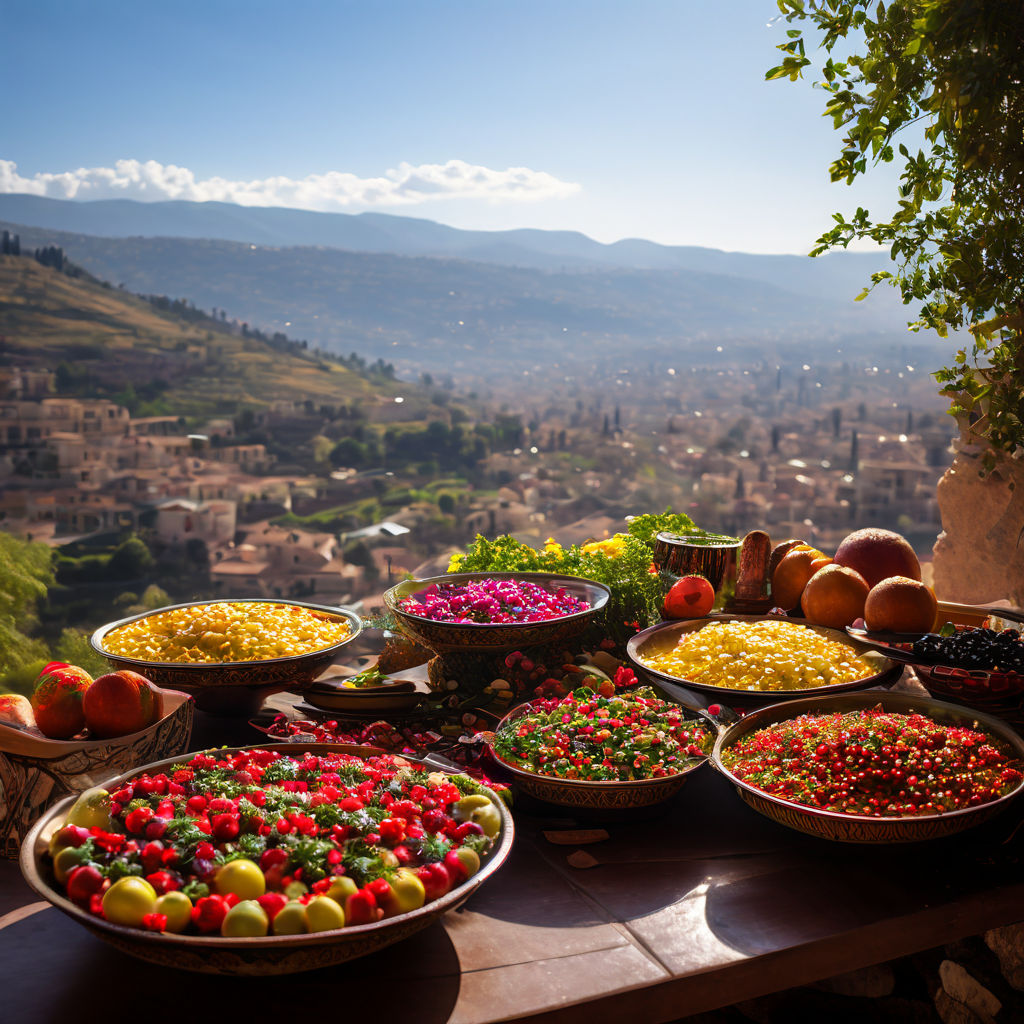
point(235, 687)
point(271, 954)
point(854, 828)
point(665, 635)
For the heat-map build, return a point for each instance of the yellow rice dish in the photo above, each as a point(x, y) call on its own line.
point(765, 655)
point(227, 631)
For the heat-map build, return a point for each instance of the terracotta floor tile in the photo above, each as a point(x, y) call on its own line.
point(532, 912)
point(508, 992)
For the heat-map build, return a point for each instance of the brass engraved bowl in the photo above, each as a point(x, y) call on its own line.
point(665, 635)
point(233, 687)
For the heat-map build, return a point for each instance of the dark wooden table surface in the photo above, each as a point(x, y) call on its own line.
point(701, 905)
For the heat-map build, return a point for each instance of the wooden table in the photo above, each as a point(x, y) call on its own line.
point(700, 906)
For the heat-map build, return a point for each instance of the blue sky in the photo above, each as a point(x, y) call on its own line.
point(639, 118)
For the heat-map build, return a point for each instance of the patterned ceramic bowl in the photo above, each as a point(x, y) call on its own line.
point(235, 687)
point(591, 795)
point(271, 954)
point(855, 828)
point(444, 637)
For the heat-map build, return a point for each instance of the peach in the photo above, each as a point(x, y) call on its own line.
point(57, 699)
point(878, 554)
point(120, 703)
point(16, 710)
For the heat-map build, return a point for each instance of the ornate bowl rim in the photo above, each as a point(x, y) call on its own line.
point(36, 875)
point(355, 623)
point(896, 702)
point(407, 588)
point(888, 673)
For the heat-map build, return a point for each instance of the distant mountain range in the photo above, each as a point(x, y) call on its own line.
point(838, 275)
point(414, 291)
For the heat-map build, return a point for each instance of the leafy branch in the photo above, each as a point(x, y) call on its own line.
point(955, 68)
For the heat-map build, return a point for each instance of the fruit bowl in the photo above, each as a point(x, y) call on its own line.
point(853, 828)
point(35, 770)
point(270, 954)
point(665, 635)
point(471, 652)
point(234, 687)
point(993, 691)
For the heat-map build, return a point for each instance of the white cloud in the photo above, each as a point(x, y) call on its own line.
point(405, 185)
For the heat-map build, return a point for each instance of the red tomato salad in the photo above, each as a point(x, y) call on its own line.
point(258, 842)
point(615, 738)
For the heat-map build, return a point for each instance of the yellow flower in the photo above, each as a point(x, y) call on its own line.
point(551, 546)
point(612, 547)
point(454, 562)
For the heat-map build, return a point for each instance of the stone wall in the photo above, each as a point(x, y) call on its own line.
point(979, 556)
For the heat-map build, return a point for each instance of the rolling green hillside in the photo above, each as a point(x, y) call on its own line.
point(105, 342)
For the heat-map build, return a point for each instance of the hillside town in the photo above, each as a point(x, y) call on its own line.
point(77, 469)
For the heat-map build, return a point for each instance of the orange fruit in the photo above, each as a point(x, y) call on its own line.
point(878, 554)
point(834, 596)
point(791, 576)
point(779, 552)
point(900, 605)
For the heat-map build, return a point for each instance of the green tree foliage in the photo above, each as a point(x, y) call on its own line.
point(73, 647)
point(130, 560)
point(953, 69)
point(25, 575)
